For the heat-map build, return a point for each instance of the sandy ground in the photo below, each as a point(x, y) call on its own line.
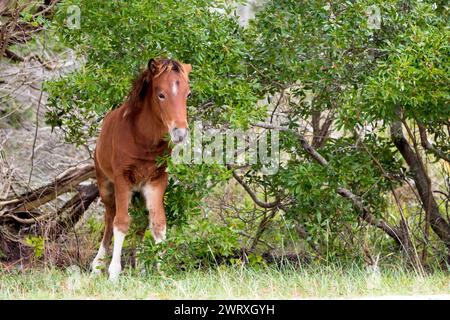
point(20, 92)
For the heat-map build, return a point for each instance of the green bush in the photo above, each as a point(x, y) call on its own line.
point(198, 244)
point(356, 78)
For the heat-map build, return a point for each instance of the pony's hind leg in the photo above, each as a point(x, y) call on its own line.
point(106, 189)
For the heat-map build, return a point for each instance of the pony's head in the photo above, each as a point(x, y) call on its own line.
point(165, 83)
point(170, 88)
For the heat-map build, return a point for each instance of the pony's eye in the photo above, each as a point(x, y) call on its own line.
point(189, 95)
point(161, 96)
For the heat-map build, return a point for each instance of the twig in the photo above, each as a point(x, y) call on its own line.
point(37, 120)
point(428, 146)
point(13, 56)
point(46, 9)
point(366, 215)
point(250, 192)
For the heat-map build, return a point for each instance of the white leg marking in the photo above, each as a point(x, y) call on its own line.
point(115, 266)
point(98, 260)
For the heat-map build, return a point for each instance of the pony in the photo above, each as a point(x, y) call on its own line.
point(132, 137)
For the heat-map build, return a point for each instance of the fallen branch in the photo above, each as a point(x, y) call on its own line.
point(51, 225)
point(46, 9)
point(73, 210)
point(65, 182)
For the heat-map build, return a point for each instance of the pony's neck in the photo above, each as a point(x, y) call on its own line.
point(148, 124)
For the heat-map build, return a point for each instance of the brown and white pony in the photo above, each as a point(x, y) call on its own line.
point(131, 138)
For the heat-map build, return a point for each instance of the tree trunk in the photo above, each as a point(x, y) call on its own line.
point(422, 182)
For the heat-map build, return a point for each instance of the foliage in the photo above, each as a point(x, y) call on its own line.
point(199, 244)
point(37, 243)
point(415, 75)
point(119, 37)
point(327, 60)
point(330, 65)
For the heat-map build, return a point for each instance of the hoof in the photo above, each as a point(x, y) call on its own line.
point(114, 271)
point(113, 277)
point(97, 267)
point(96, 271)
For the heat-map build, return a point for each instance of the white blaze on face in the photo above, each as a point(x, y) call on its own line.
point(175, 88)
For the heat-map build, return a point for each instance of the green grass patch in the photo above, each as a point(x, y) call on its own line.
point(223, 283)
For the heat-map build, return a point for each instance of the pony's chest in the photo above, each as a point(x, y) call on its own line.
point(142, 172)
point(139, 164)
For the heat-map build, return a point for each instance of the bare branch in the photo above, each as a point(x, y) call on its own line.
point(366, 215)
point(65, 182)
point(255, 199)
point(73, 209)
point(13, 56)
point(305, 144)
point(262, 227)
point(428, 146)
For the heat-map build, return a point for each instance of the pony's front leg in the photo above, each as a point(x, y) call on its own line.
point(153, 192)
point(121, 225)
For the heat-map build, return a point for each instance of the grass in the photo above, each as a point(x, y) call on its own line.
point(223, 283)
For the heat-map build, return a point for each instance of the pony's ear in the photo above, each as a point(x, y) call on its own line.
point(187, 68)
point(153, 66)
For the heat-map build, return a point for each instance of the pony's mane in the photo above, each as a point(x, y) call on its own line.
point(142, 84)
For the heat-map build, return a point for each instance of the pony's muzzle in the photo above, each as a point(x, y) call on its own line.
point(178, 134)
